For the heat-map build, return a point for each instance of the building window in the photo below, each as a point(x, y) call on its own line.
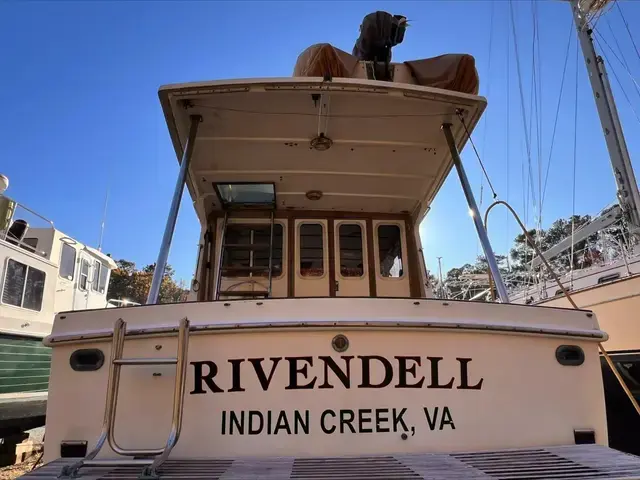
point(23, 286)
point(248, 246)
point(67, 261)
point(84, 275)
point(351, 254)
point(390, 251)
point(311, 250)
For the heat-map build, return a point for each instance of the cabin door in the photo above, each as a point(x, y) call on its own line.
point(311, 259)
point(351, 266)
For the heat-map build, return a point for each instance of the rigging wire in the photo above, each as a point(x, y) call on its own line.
point(495, 195)
point(615, 55)
point(624, 92)
point(617, 3)
point(522, 105)
point(575, 161)
point(486, 117)
point(626, 64)
point(508, 138)
point(555, 122)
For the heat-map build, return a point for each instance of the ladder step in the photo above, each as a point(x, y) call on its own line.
point(146, 361)
point(125, 462)
point(244, 293)
point(236, 269)
point(245, 246)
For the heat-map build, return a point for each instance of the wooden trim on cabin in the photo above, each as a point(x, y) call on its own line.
point(331, 250)
point(316, 214)
point(291, 257)
point(416, 287)
point(371, 257)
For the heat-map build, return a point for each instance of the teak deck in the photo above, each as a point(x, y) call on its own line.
point(567, 462)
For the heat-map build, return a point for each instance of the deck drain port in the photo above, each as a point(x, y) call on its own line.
point(86, 360)
point(73, 449)
point(570, 355)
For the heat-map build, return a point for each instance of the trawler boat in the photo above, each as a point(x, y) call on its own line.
point(312, 348)
point(42, 271)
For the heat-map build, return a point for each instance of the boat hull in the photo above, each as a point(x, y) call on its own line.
point(617, 306)
point(415, 377)
point(24, 377)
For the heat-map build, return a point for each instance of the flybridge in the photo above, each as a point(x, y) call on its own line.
point(325, 372)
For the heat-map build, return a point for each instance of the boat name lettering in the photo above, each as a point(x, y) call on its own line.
point(333, 421)
point(325, 372)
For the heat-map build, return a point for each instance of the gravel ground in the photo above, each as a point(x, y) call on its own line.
point(14, 471)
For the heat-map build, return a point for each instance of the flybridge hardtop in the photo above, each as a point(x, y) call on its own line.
point(364, 145)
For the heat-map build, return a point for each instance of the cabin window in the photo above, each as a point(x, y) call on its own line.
point(67, 261)
point(95, 283)
point(84, 274)
point(248, 246)
point(30, 244)
point(23, 286)
point(311, 250)
point(351, 254)
point(104, 277)
point(390, 251)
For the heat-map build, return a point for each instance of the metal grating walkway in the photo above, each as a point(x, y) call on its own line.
point(575, 462)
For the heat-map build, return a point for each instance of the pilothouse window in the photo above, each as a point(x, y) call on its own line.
point(84, 275)
point(67, 261)
point(235, 194)
point(256, 253)
point(390, 251)
point(23, 286)
point(351, 263)
point(311, 250)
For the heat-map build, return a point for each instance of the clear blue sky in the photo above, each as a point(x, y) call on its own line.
point(79, 80)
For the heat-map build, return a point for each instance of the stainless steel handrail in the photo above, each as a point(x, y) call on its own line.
point(113, 383)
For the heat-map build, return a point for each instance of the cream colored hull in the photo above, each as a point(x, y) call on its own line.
point(423, 376)
point(617, 306)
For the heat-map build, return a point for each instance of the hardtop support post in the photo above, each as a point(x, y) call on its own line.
point(475, 214)
point(163, 255)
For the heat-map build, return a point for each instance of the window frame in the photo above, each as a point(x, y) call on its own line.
point(24, 287)
point(253, 226)
point(86, 287)
point(95, 281)
point(403, 246)
point(75, 261)
point(325, 246)
point(365, 258)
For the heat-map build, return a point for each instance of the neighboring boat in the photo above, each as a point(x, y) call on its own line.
point(609, 282)
point(312, 350)
point(42, 272)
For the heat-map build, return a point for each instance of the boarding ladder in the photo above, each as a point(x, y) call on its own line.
point(245, 270)
point(152, 458)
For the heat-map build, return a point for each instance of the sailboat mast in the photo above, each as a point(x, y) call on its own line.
point(628, 194)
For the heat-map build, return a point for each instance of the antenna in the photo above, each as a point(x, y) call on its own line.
point(104, 218)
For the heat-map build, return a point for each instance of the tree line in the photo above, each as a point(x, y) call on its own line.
point(129, 283)
point(466, 281)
